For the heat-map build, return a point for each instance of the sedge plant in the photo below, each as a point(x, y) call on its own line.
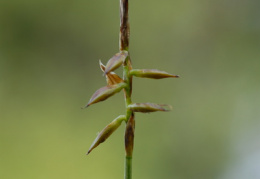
point(116, 84)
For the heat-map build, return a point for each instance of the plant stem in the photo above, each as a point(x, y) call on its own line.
point(124, 45)
point(124, 25)
point(128, 167)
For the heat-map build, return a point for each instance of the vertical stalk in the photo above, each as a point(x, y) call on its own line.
point(128, 167)
point(124, 25)
point(124, 45)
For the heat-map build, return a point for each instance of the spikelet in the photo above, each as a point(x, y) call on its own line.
point(148, 107)
point(106, 132)
point(151, 73)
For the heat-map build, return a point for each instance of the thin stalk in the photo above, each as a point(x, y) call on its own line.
point(128, 167)
point(124, 45)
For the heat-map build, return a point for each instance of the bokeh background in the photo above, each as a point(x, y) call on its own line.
point(49, 52)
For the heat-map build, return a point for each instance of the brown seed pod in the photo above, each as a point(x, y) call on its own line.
point(148, 107)
point(111, 77)
point(116, 61)
point(129, 136)
point(151, 73)
point(105, 92)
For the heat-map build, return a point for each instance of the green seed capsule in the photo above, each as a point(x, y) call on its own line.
point(148, 107)
point(151, 73)
point(105, 92)
point(106, 132)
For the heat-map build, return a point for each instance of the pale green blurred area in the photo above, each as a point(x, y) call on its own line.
point(49, 53)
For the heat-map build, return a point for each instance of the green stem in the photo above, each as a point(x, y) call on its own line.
point(128, 167)
point(130, 123)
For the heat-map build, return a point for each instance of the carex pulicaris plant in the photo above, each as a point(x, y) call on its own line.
point(116, 84)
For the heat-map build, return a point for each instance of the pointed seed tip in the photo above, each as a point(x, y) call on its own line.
point(86, 106)
point(88, 152)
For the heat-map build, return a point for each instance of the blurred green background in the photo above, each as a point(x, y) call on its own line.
point(49, 52)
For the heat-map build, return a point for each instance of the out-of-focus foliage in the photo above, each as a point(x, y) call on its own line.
point(49, 52)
